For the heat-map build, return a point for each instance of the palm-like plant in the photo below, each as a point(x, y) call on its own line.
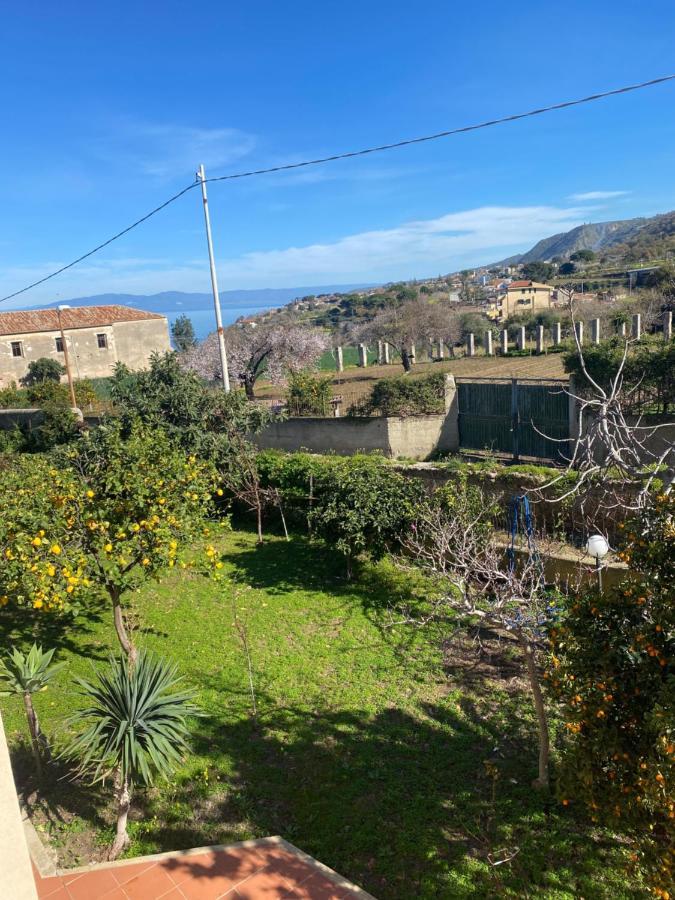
point(25, 674)
point(135, 726)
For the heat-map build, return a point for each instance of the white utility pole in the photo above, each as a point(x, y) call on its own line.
point(201, 177)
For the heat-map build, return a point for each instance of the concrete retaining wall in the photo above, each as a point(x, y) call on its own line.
point(413, 437)
point(16, 874)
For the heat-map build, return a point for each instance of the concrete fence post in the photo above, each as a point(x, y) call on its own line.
point(450, 431)
point(413, 356)
point(636, 326)
point(488, 344)
point(595, 331)
point(441, 350)
point(621, 329)
point(470, 345)
point(380, 353)
point(363, 355)
point(339, 361)
point(385, 353)
point(579, 330)
point(556, 330)
point(540, 338)
point(521, 338)
point(505, 342)
point(668, 325)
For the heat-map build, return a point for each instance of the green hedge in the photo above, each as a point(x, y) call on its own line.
point(404, 396)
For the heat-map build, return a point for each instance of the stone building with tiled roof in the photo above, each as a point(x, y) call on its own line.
point(97, 337)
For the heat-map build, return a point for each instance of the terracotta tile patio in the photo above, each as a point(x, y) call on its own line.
point(267, 869)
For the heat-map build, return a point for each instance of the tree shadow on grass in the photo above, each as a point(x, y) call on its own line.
point(399, 802)
point(56, 802)
point(65, 633)
point(301, 564)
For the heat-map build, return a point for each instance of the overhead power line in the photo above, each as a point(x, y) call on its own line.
point(348, 155)
point(443, 134)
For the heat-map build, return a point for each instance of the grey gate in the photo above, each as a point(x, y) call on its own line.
point(519, 416)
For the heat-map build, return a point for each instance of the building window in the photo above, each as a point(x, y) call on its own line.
point(102, 341)
point(59, 344)
point(17, 348)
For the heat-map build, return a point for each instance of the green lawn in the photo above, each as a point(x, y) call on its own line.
point(371, 743)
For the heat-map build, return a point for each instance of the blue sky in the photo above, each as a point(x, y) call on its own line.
point(108, 109)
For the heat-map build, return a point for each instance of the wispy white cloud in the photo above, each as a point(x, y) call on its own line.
point(415, 248)
point(166, 150)
point(597, 195)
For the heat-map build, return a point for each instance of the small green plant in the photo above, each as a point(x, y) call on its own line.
point(308, 394)
point(25, 674)
point(134, 727)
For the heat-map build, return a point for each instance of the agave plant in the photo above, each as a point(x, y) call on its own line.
point(134, 727)
point(26, 674)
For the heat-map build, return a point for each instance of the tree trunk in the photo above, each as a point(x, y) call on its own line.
point(258, 508)
point(120, 627)
point(34, 728)
point(249, 384)
point(542, 780)
point(405, 359)
point(123, 803)
point(283, 517)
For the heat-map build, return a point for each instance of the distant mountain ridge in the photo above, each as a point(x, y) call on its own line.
point(180, 302)
point(599, 236)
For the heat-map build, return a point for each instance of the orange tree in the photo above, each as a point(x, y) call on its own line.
point(98, 517)
point(612, 668)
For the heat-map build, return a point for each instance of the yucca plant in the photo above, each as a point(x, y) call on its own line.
point(25, 674)
point(134, 727)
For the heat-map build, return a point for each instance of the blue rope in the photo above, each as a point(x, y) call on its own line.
point(520, 515)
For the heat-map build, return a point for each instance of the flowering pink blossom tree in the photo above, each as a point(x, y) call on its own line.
point(254, 350)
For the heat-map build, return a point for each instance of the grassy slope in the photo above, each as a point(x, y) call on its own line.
point(368, 754)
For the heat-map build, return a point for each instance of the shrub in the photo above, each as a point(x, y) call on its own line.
point(59, 425)
point(201, 419)
point(11, 397)
point(309, 394)
point(404, 396)
point(363, 506)
point(612, 669)
point(651, 366)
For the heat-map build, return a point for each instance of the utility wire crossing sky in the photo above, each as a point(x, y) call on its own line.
point(349, 155)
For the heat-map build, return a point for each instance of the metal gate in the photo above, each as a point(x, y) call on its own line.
point(519, 416)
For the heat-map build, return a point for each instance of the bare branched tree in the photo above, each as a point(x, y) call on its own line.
point(615, 452)
point(403, 326)
point(482, 585)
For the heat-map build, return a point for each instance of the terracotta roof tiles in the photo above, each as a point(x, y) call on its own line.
point(26, 321)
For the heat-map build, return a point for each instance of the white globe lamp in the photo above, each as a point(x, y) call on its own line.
point(598, 548)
